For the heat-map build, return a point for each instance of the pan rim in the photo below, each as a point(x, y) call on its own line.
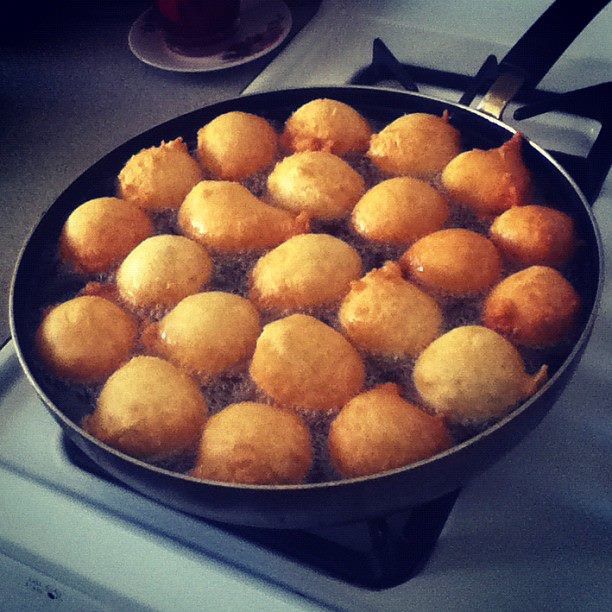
point(348, 482)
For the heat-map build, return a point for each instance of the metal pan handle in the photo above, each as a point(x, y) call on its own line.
point(538, 49)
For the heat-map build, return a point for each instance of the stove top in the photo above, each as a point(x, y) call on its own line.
point(531, 532)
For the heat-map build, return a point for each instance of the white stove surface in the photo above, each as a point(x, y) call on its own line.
point(532, 532)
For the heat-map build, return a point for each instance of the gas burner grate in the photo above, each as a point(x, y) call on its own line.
point(377, 554)
point(593, 102)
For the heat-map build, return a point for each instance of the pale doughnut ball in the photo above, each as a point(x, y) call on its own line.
point(378, 430)
point(535, 235)
point(306, 271)
point(417, 144)
point(489, 182)
point(301, 362)
point(235, 145)
point(149, 409)
point(207, 333)
point(85, 339)
point(399, 211)
point(472, 375)
point(388, 316)
point(252, 443)
point(227, 218)
point(326, 125)
point(101, 232)
point(162, 270)
point(456, 262)
point(159, 177)
point(316, 182)
point(535, 307)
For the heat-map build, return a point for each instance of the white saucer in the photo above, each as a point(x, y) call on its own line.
point(263, 25)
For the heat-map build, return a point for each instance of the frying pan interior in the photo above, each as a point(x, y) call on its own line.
point(36, 285)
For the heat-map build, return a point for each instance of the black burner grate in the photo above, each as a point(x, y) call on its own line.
point(591, 102)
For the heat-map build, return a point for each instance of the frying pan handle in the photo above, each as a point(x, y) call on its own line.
point(538, 49)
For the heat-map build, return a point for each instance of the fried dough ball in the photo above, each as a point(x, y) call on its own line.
point(472, 374)
point(388, 316)
point(162, 270)
point(456, 262)
point(85, 339)
point(253, 443)
point(326, 125)
point(399, 211)
point(236, 145)
point(534, 235)
point(300, 361)
point(159, 177)
point(378, 430)
point(418, 144)
point(316, 182)
point(207, 333)
point(149, 409)
point(535, 307)
point(489, 182)
point(226, 217)
point(101, 232)
point(306, 271)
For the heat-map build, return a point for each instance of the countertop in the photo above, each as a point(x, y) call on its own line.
point(72, 91)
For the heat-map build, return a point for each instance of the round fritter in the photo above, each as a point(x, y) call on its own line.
point(534, 235)
point(162, 270)
point(101, 232)
point(456, 262)
point(316, 182)
point(236, 145)
point(535, 307)
point(388, 316)
point(472, 374)
point(226, 217)
point(418, 145)
point(149, 409)
point(489, 182)
point(302, 362)
point(306, 271)
point(326, 125)
point(253, 443)
point(159, 177)
point(85, 339)
point(207, 333)
point(399, 211)
point(378, 431)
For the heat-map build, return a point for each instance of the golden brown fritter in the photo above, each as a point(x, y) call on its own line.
point(162, 270)
point(316, 182)
point(236, 145)
point(302, 362)
point(471, 375)
point(149, 409)
point(101, 232)
point(534, 235)
point(535, 307)
point(306, 271)
point(456, 262)
point(227, 218)
point(378, 431)
point(399, 211)
point(489, 182)
point(159, 177)
point(388, 316)
point(418, 145)
point(85, 339)
point(253, 443)
point(326, 125)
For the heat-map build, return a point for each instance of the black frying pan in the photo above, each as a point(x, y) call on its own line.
point(361, 498)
